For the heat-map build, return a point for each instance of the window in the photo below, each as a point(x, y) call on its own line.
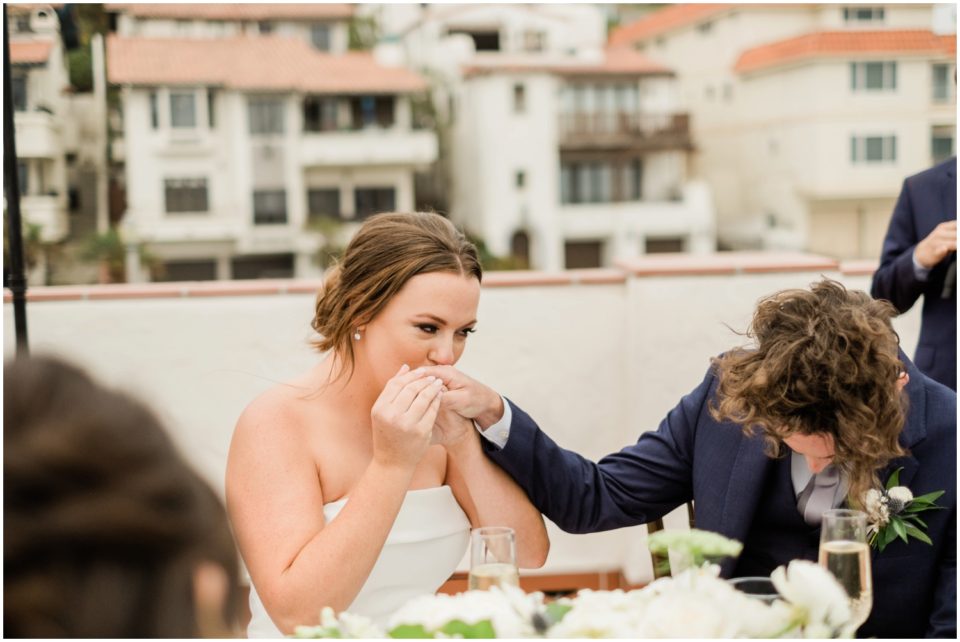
point(705, 27)
point(873, 149)
point(154, 111)
point(269, 206)
point(482, 40)
point(323, 202)
point(594, 182)
point(941, 142)
point(262, 266)
point(873, 76)
point(23, 177)
point(941, 83)
point(188, 270)
point(659, 245)
point(320, 37)
point(211, 107)
point(582, 254)
point(533, 41)
point(319, 114)
point(266, 115)
point(185, 195)
point(372, 111)
point(520, 178)
point(631, 180)
point(18, 89)
point(265, 26)
point(519, 99)
point(372, 200)
point(183, 109)
point(21, 23)
point(861, 14)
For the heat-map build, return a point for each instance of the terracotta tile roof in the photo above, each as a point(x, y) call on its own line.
point(662, 20)
point(236, 11)
point(253, 64)
point(29, 53)
point(835, 43)
point(616, 62)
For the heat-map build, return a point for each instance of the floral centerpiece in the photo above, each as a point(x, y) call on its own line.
point(696, 603)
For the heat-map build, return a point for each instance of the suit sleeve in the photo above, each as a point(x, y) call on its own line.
point(894, 279)
point(633, 486)
point(943, 618)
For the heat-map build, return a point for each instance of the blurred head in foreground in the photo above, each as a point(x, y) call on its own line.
point(108, 532)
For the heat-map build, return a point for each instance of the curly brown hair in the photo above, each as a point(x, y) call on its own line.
point(105, 523)
point(826, 362)
point(387, 251)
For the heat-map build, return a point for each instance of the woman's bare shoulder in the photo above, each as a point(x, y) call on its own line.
point(279, 410)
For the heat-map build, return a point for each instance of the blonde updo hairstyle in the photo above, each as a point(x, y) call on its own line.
point(387, 251)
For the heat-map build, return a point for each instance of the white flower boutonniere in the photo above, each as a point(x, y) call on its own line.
point(894, 512)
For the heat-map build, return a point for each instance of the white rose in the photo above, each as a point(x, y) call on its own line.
point(814, 592)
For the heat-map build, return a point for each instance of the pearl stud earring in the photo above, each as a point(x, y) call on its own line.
point(356, 335)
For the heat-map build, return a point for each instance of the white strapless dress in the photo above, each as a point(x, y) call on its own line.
point(424, 547)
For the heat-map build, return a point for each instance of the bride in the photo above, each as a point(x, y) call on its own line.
point(352, 486)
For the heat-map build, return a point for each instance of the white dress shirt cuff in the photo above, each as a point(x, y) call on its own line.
point(921, 273)
point(498, 433)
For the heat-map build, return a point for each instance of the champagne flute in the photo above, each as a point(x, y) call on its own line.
point(493, 558)
point(845, 553)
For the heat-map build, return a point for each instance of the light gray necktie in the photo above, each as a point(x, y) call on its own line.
point(818, 496)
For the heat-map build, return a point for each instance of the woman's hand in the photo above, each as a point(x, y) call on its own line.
point(403, 418)
point(451, 428)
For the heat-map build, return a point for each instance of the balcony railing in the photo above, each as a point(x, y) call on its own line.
point(622, 128)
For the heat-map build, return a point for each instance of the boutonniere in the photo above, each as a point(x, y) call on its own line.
point(894, 512)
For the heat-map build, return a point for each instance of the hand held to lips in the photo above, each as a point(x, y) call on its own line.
point(403, 417)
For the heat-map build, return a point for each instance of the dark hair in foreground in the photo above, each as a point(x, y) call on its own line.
point(387, 251)
point(105, 524)
point(826, 361)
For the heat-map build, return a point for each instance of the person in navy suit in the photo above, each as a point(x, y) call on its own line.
point(920, 259)
point(824, 407)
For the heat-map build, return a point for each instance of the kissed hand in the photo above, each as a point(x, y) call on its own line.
point(467, 397)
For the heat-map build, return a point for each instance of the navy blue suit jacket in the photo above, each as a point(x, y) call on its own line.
point(926, 200)
point(693, 457)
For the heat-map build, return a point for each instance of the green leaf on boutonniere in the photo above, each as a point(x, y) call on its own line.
point(918, 534)
point(928, 499)
point(913, 517)
point(894, 478)
point(409, 631)
point(899, 528)
point(482, 630)
point(884, 537)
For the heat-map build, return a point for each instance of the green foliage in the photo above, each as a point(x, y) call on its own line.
point(110, 250)
point(364, 33)
point(333, 243)
point(557, 610)
point(701, 546)
point(409, 632)
point(33, 246)
point(492, 262)
point(80, 65)
point(482, 630)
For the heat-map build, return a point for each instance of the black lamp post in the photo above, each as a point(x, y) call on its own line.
point(15, 277)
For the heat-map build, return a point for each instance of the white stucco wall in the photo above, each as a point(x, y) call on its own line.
point(596, 365)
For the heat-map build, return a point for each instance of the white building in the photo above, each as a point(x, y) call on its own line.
point(248, 128)
point(807, 117)
point(38, 80)
point(554, 151)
